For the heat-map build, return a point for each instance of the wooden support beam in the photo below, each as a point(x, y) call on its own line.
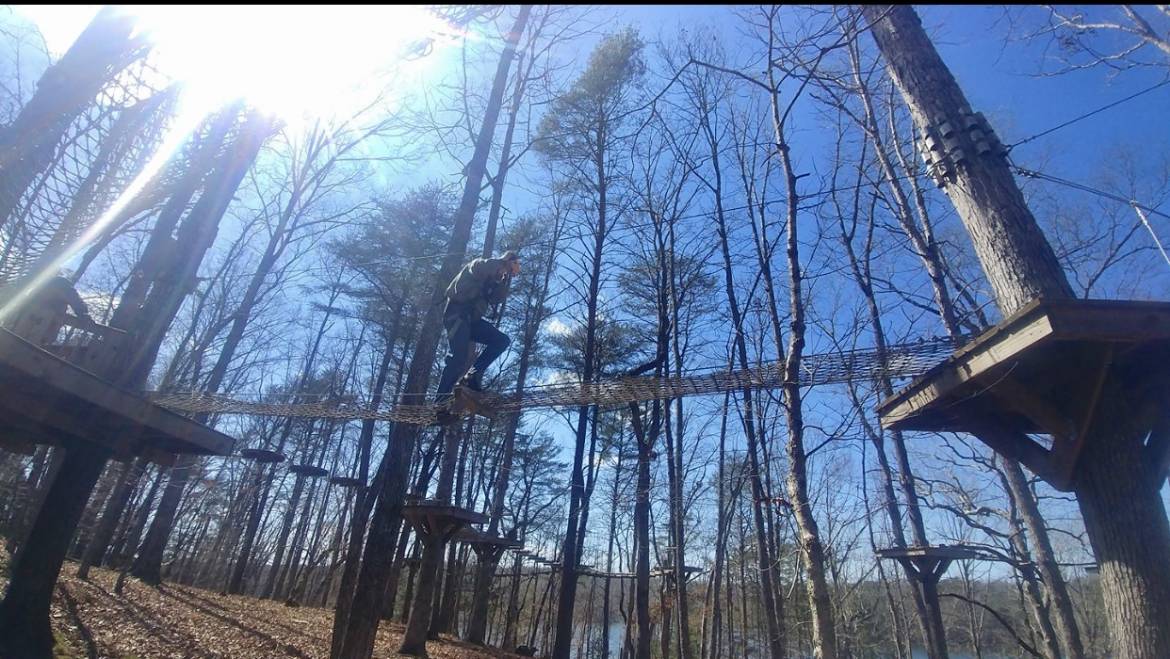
point(62, 422)
point(984, 423)
point(1066, 451)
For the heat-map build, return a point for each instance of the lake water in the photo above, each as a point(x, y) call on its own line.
point(617, 635)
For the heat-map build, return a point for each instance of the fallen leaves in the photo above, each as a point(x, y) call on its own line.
point(182, 622)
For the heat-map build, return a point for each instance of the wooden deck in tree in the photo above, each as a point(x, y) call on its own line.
point(436, 521)
point(1041, 373)
point(949, 552)
point(470, 536)
point(928, 564)
point(669, 571)
point(47, 400)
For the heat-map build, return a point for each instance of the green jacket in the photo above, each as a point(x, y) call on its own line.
point(476, 289)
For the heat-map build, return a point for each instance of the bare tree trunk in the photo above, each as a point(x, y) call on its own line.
point(286, 526)
point(928, 609)
point(362, 502)
point(605, 591)
point(26, 499)
point(642, 537)
point(135, 524)
point(24, 613)
point(577, 493)
point(259, 503)
point(534, 316)
point(713, 649)
point(823, 629)
point(1064, 620)
point(1019, 263)
point(396, 575)
point(148, 564)
point(1033, 600)
point(513, 611)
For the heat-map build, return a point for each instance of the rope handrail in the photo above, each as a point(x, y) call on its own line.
point(901, 361)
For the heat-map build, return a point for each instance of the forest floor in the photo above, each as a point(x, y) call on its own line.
point(92, 622)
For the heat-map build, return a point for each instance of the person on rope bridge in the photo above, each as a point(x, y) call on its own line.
point(480, 285)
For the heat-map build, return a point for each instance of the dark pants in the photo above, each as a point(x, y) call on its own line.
point(460, 334)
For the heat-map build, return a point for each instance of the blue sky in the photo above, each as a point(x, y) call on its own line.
point(999, 78)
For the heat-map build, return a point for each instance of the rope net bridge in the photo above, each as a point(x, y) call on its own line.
point(901, 361)
point(101, 151)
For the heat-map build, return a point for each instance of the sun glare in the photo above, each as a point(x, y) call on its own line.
point(293, 61)
point(296, 62)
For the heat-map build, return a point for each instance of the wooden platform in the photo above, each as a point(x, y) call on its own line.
point(687, 570)
point(262, 455)
point(1041, 372)
point(475, 538)
point(47, 400)
point(433, 520)
point(599, 574)
point(949, 552)
point(309, 471)
point(928, 564)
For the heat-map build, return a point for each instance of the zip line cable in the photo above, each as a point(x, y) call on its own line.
point(1143, 211)
point(1031, 173)
point(1089, 114)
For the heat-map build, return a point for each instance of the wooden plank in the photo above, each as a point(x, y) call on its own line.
point(1066, 450)
point(938, 551)
point(15, 425)
point(77, 386)
point(912, 403)
point(966, 366)
point(158, 456)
